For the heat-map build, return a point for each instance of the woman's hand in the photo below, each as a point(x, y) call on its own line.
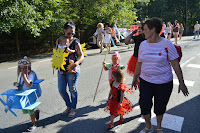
point(183, 88)
point(134, 83)
point(71, 67)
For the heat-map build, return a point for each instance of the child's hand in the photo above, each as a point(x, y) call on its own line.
point(16, 84)
point(70, 51)
point(119, 105)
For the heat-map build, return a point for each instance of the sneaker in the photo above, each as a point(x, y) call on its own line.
point(30, 129)
point(66, 111)
point(72, 114)
point(37, 114)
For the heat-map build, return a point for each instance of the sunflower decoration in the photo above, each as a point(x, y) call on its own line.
point(59, 59)
point(83, 49)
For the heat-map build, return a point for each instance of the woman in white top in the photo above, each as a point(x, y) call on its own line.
point(107, 32)
point(169, 30)
point(100, 35)
point(156, 78)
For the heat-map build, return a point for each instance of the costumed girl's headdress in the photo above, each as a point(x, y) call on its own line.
point(23, 62)
point(116, 54)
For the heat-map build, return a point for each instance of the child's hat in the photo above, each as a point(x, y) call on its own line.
point(24, 62)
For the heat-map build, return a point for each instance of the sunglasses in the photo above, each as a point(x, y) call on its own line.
point(23, 62)
point(68, 33)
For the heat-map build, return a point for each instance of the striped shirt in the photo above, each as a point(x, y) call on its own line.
point(155, 66)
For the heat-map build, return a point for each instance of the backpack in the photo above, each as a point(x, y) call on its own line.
point(178, 49)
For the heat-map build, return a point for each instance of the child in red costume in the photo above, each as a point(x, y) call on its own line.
point(117, 103)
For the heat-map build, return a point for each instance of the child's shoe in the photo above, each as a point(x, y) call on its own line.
point(121, 121)
point(30, 129)
point(111, 125)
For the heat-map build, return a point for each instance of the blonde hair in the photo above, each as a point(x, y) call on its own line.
point(100, 25)
point(119, 75)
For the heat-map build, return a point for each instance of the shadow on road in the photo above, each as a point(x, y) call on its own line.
point(189, 110)
point(81, 112)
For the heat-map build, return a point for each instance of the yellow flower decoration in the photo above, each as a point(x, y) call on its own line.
point(59, 59)
point(83, 49)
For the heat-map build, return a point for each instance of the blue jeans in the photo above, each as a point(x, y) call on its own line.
point(196, 33)
point(69, 79)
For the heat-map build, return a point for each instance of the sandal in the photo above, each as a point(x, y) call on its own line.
point(147, 130)
point(72, 114)
point(121, 121)
point(37, 114)
point(111, 125)
point(30, 129)
point(66, 111)
point(159, 130)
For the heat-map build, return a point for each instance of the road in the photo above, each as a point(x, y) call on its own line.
point(182, 113)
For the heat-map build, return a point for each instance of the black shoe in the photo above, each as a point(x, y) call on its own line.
point(37, 114)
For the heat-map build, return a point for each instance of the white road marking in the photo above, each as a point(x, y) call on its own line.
point(169, 121)
point(45, 60)
point(187, 82)
point(193, 65)
point(12, 67)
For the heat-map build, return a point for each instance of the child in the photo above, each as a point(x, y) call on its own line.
point(64, 44)
point(100, 37)
point(26, 82)
point(115, 64)
point(117, 103)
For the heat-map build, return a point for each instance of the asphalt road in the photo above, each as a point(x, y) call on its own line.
point(182, 112)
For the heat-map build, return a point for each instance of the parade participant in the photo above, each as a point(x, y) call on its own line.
point(118, 105)
point(26, 82)
point(169, 30)
point(100, 35)
point(70, 75)
point(175, 28)
point(137, 40)
point(156, 78)
point(196, 29)
point(107, 32)
point(181, 29)
point(115, 64)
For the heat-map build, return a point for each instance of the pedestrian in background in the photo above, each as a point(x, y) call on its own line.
point(107, 32)
point(70, 75)
point(175, 29)
point(156, 78)
point(100, 35)
point(196, 29)
point(181, 29)
point(169, 30)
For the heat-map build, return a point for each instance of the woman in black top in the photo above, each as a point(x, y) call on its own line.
point(137, 40)
point(175, 30)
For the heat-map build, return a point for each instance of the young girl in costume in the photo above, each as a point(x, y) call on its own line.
point(100, 35)
point(26, 82)
point(117, 103)
point(115, 64)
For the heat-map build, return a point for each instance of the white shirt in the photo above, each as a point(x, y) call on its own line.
point(155, 66)
point(30, 79)
point(196, 27)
